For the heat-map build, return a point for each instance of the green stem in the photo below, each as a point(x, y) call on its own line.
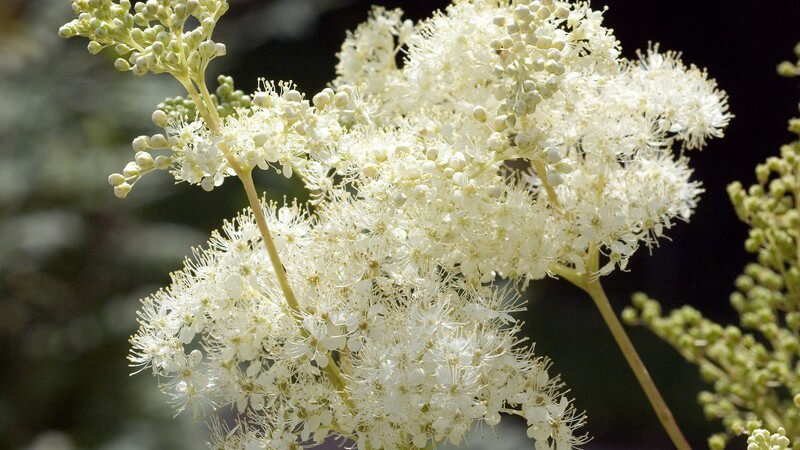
point(541, 172)
point(246, 177)
point(595, 290)
point(591, 285)
point(208, 111)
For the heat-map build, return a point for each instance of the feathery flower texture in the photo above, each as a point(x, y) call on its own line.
point(512, 138)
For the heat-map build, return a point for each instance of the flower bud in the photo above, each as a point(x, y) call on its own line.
point(122, 190)
point(322, 99)
point(554, 178)
point(144, 160)
point(66, 32)
point(499, 123)
point(220, 49)
point(160, 118)
point(207, 184)
point(497, 142)
point(207, 49)
point(262, 100)
point(94, 47)
point(293, 96)
point(479, 113)
point(122, 65)
point(432, 154)
point(115, 179)
point(554, 67)
point(458, 161)
point(157, 141)
point(553, 155)
point(130, 170)
point(341, 99)
point(162, 162)
point(400, 199)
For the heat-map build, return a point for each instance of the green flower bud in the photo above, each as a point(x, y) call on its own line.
point(140, 144)
point(160, 118)
point(629, 316)
point(157, 141)
point(163, 162)
point(144, 160)
point(66, 32)
point(122, 65)
point(717, 442)
point(116, 179)
point(94, 47)
point(794, 126)
point(122, 190)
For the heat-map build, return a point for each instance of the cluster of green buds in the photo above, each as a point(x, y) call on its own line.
point(151, 36)
point(788, 68)
point(750, 380)
point(763, 440)
point(756, 376)
point(143, 161)
point(228, 100)
point(168, 115)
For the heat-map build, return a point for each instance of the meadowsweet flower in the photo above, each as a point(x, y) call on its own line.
point(493, 98)
point(511, 140)
point(423, 357)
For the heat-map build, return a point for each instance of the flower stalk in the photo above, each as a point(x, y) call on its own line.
point(245, 175)
point(592, 286)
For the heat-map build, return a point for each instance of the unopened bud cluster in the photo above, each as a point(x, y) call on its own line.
point(788, 68)
point(764, 440)
point(755, 375)
point(151, 36)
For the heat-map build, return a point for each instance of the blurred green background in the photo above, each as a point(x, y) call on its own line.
point(74, 260)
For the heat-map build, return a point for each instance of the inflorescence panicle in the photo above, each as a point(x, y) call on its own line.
point(512, 141)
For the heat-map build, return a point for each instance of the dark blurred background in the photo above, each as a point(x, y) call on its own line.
point(74, 260)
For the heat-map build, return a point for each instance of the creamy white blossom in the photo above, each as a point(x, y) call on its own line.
point(433, 355)
point(494, 97)
point(511, 141)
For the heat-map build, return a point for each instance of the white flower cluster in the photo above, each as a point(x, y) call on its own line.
point(512, 139)
point(279, 130)
point(421, 355)
point(525, 138)
point(503, 117)
point(274, 128)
